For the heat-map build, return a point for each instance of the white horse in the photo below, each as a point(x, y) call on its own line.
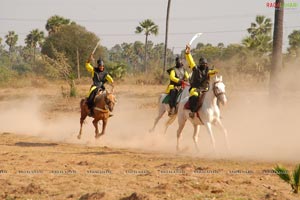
point(163, 107)
point(208, 114)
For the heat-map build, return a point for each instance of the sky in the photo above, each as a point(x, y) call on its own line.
point(114, 21)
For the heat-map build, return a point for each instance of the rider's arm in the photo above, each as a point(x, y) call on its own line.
point(173, 77)
point(212, 72)
point(190, 61)
point(186, 75)
point(189, 57)
point(88, 65)
point(109, 79)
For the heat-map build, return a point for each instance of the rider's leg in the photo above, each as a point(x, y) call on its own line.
point(172, 102)
point(193, 100)
point(90, 99)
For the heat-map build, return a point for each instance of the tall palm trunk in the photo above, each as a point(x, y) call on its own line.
point(166, 38)
point(277, 49)
point(146, 45)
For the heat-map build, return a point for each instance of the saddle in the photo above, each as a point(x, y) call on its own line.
point(199, 102)
point(167, 98)
point(91, 102)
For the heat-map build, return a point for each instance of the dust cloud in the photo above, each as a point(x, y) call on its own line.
point(259, 127)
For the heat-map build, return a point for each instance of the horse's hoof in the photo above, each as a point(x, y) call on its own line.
point(78, 137)
point(97, 136)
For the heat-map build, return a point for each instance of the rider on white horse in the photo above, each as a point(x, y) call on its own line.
point(177, 75)
point(199, 79)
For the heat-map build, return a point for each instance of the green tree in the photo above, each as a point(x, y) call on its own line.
point(54, 24)
point(11, 40)
point(294, 42)
point(68, 40)
point(293, 179)
point(34, 38)
point(148, 27)
point(58, 67)
point(259, 39)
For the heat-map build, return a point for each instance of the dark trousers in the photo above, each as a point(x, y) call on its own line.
point(173, 98)
point(90, 99)
point(193, 103)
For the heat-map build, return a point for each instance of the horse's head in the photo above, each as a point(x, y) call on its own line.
point(110, 101)
point(219, 89)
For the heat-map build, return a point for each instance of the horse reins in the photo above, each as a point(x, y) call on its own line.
point(106, 109)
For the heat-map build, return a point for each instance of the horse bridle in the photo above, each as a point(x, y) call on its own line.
point(107, 102)
point(215, 92)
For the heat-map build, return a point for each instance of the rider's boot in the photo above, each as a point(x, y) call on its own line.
point(193, 105)
point(172, 102)
point(172, 111)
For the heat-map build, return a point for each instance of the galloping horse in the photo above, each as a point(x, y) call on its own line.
point(104, 104)
point(208, 114)
point(163, 107)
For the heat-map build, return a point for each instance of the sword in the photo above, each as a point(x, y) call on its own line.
point(95, 47)
point(195, 37)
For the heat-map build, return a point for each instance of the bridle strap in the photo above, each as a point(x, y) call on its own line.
point(215, 93)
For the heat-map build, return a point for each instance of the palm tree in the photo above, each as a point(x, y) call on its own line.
point(55, 22)
point(277, 49)
point(259, 39)
point(263, 25)
point(11, 40)
point(166, 37)
point(148, 27)
point(293, 180)
point(34, 38)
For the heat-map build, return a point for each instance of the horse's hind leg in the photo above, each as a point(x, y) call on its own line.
point(169, 122)
point(82, 118)
point(161, 112)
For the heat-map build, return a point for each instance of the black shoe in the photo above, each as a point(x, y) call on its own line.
point(172, 111)
point(91, 113)
point(110, 115)
point(192, 115)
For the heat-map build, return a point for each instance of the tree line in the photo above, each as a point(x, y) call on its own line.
point(70, 43)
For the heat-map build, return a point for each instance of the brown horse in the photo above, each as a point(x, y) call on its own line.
point(104, 104)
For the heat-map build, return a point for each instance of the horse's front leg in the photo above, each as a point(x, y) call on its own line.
point(181, 122)
point(95, 122)
point(195, 136)
point(82, 118)
point(220, 124)
point(104, 123)
point(209, 129)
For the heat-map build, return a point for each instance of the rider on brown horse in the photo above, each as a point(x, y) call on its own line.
point(100, 77)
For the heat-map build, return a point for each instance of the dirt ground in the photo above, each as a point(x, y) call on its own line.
point(41, 158)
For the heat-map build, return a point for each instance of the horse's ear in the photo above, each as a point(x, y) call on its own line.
point(220, 78)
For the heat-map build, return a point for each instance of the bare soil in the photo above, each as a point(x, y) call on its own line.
point(41, 158)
